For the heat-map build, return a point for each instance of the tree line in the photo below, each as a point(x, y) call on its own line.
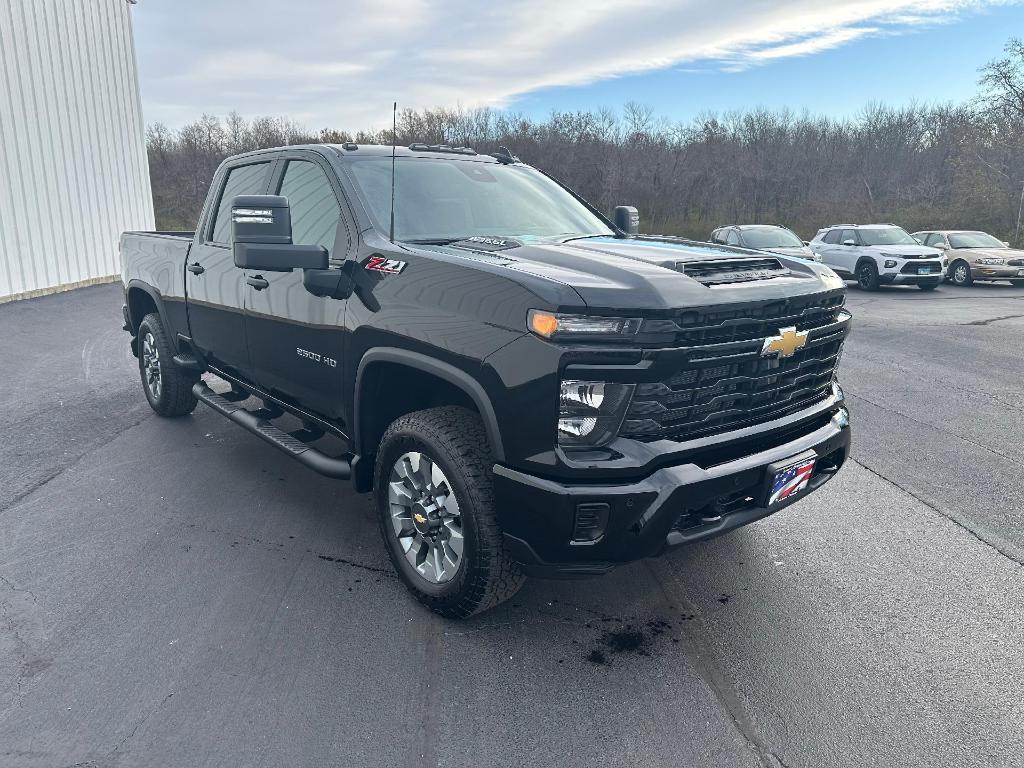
point(923, 166)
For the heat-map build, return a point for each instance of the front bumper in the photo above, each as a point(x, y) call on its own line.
point(996, 272)
point(671, 506)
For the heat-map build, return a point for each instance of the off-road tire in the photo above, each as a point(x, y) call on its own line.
point(175, 396)
point(455, 440)
point(955, 270)
point(867, 276)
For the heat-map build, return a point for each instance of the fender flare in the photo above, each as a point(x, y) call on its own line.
point(153, 294)
point(454, 376)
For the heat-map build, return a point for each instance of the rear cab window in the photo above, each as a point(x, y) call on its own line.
point(241, 180)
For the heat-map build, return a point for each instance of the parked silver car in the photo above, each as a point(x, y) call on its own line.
point(975, 256)
point(764, 237)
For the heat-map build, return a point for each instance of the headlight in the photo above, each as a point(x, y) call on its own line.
point(892, 255)
point(591, 412)
point(890, 263)
point(550, 325)
point(990, 260)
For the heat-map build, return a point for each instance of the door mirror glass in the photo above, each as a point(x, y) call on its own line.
point(261, 236)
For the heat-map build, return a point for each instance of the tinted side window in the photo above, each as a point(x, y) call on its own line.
point(314, 207)
point(733, 238)
point(832, 237)
point(243, 180)
point(934, 239)
point(848, 234)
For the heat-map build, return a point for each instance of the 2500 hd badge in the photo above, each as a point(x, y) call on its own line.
point(544, 391)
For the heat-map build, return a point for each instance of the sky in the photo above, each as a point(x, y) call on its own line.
point(325, 63)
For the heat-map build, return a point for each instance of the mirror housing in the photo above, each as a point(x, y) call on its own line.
point(627, 219)
point(849, 242)
point(261, 236)
point(1006, 243)
point(328, 283)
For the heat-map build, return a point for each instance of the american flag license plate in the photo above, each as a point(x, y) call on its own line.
point(790, 481)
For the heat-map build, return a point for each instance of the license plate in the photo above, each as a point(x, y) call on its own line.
point(924, 270)
point(790, 481)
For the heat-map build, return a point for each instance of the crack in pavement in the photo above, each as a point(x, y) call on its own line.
point(138, 725)
point(993, 451)
point(993, 320)
point(53, 475)
point(721, 686)
point(996, 543)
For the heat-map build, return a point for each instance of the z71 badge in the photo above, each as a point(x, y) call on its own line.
point(388, 266)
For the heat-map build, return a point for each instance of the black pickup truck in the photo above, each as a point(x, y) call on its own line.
point(526, 386)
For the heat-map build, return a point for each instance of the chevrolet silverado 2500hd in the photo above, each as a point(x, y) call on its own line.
point(526, 386)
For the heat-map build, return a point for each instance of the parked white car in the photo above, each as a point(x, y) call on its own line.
point(773, 238)
point(879, 254)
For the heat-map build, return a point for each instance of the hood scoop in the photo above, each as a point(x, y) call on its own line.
point(486, 244)
point(718, 272)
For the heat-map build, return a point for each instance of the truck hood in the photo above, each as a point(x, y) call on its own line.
point(646, 273)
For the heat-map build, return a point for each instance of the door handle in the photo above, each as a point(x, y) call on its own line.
point(257, 282)
point(196, 268)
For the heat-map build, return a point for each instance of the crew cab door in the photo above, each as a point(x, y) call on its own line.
point(295, 338)
point(215, 287)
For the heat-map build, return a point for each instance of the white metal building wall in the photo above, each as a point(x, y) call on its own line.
point(73, 169)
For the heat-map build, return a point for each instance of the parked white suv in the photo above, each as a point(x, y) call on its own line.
point(879, 254)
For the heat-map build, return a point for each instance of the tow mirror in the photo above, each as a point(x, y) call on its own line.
point(627, 219)
point(261, 236)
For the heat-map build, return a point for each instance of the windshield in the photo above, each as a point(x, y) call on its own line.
point(445, 199)
point(973, 240)
point(770, 237)
point(886, 236)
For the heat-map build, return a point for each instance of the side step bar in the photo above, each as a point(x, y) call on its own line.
point(258, 424)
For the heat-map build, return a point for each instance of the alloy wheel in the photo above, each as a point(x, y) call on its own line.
point(151, 365)
point(960, 274)
point(425, 517)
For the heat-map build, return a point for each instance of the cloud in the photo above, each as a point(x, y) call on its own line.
point(342, 65)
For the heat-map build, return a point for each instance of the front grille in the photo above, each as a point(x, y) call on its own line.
point(725, 383)
point(915, 269)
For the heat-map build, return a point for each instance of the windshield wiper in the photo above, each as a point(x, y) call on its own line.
point(435, 240)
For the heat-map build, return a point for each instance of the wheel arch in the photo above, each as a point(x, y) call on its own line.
point(404, 381)
point(142, 298)
point(867, 260)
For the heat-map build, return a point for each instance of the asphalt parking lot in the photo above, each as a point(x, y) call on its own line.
point(178, 593)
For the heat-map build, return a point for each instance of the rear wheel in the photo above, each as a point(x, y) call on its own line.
point(168, 388)
point(436, 508)
point(960, 273)
point(867, 276)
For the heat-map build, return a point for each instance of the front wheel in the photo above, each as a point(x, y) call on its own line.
point(867, 276)
point(435, 502)
point(960, 273)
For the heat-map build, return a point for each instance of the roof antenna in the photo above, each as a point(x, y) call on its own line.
point(394, 138)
